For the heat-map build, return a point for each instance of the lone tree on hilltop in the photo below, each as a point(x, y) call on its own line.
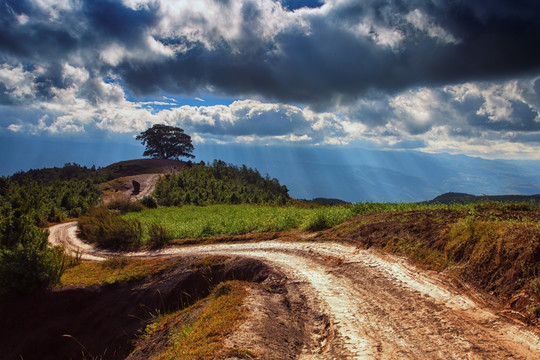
point(166, 142)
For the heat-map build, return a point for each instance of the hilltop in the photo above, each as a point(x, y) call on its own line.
point(142, 166)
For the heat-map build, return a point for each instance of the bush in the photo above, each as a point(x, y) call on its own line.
point(158, 236)
point(115, 262)
point(316, 222)
point(26, 261)
point(123, 204)
point(325, 218)
point(108, 230)
point(149, 201)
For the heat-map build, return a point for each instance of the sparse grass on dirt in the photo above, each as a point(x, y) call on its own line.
point(199, 331)
point(113, 270)
point(492, 245)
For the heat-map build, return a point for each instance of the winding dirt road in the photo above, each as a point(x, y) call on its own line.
point(378, 307)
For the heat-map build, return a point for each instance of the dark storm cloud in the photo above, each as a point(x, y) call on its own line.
point(329, 61)
point(40, 40)
point(319, 58)
point(112, 21)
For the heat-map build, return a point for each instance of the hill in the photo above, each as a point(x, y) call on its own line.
point(142, 166)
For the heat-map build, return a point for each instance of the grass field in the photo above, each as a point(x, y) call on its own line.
point(215, 220)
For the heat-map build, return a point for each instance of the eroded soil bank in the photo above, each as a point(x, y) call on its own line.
point(103, 321)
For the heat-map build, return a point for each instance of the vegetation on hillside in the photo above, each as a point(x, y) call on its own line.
point(26, 261)
point(461, 198)
point(48, 176)
point(495, 246)
point(219, 183)
point(28, 202)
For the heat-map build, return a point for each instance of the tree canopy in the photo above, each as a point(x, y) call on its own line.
point(219, 183)
point(166, 142)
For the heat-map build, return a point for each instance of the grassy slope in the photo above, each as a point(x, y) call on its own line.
point(199, 331)
point(113, 270)
point(495, 247)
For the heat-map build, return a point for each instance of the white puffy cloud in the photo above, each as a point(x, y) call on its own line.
point(18, 84)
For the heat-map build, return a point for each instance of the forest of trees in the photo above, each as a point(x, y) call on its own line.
point(219, 183)
point(30, 201)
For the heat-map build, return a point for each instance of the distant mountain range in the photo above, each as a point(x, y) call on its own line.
point(355, 175)
point(350, 174)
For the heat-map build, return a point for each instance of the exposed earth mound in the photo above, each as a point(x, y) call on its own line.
point(82, 322)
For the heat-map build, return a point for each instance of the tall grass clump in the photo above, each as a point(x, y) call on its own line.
point(158, 236)
point(325, 218)
point(123, 204)
point(108, 230)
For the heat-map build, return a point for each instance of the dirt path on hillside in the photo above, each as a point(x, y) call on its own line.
point(378, 307)
point(124, 187)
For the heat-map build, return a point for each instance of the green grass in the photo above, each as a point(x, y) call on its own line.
point(216, 220)
point(374, 207)
point(226, 220)
point(113, 270)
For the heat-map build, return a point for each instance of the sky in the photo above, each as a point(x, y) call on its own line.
point(296, 80)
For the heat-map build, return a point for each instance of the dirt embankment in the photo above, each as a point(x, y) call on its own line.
point(102, 321)
point(347, 303)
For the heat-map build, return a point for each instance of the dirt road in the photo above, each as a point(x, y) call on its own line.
point(378, 307)
point(124, 187)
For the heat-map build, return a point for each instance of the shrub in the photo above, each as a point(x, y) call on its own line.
point(115, 262)
point(123, 204)
point(108, 230)
point(316, 222)
point(26, 261)
point(158, 236)
point(149, 201)
point(325, 218)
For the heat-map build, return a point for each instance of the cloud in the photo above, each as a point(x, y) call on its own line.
point(428, 75)
point(473, 117)
point(317, 55)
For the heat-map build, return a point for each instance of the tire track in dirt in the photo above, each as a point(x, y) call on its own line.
point(379, 307)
